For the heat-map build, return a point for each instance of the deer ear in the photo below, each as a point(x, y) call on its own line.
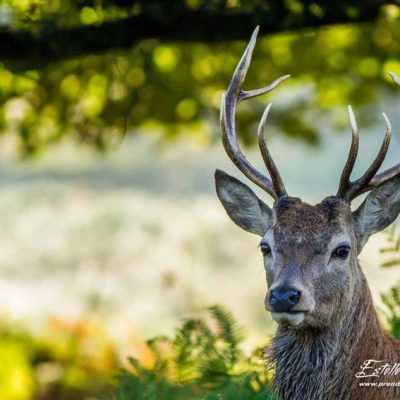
point(242, 204)
point(380, 208)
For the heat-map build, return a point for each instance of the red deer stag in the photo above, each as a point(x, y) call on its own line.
point(329, 344)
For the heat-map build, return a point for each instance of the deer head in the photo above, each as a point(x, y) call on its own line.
point(310, 251)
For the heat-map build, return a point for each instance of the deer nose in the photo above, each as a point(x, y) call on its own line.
point(283, 299)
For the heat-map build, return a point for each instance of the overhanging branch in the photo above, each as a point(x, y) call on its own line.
point(22, 50)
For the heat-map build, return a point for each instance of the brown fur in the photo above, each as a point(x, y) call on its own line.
point(320, 364)
point(319, 360)
point(331, 329)
point(317, 291)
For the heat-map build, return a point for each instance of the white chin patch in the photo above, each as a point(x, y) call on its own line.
point(291, 318)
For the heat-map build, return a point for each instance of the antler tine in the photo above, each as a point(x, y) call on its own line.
point(248, 94)
point(381, 178)
point(235, 154)
point(277, 181)
point(395, 78)
point(229, 101)
point(369, 180)
point(361, 185)
point(351, 159)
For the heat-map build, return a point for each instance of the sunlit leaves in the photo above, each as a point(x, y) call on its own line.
point(391, 65)
point(89, 16)
point(70, 86)
point(74, 359)
point(186, 109)
point(136, 77)
point(16, 377)
point(176, 88)
point(166, 58)
point(368, 67)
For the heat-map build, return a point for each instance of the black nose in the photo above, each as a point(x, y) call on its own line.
point(283, 299)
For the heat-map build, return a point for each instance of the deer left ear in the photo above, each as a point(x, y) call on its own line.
point(242, 204)
point(380, 208)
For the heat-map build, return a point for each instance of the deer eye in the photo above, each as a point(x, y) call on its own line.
point(265, 248)
point(341, 252)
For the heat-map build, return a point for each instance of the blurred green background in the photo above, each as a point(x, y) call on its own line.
point(110, 230)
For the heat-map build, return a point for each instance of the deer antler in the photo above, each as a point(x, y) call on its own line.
point(351, 159)
point(230, 99)
point(349, 190)
point(384, 176)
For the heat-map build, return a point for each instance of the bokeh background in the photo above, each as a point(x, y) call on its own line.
point(110, 230)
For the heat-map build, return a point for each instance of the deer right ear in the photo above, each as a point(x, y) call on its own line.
point(242, 204)
point(380, 208)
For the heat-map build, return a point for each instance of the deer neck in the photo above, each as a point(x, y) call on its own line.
point(319, 363)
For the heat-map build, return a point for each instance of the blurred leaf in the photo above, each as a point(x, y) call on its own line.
point(202, 361)
point(175, 87)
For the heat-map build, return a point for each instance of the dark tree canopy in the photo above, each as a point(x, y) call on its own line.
point(94, 70)
point(50, 32)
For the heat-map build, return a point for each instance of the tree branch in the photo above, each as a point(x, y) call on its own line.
point(22, 50)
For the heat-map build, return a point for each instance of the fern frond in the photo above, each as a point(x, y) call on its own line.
point(202, 362)
point(393, 248)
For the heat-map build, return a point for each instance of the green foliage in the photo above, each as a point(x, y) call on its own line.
point(203, 361)
point(392, 299)
point(392, 314)
point(176, 87)
point(58, 364)
point(392, 250)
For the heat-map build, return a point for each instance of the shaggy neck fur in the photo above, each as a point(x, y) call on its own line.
point(320, 364)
